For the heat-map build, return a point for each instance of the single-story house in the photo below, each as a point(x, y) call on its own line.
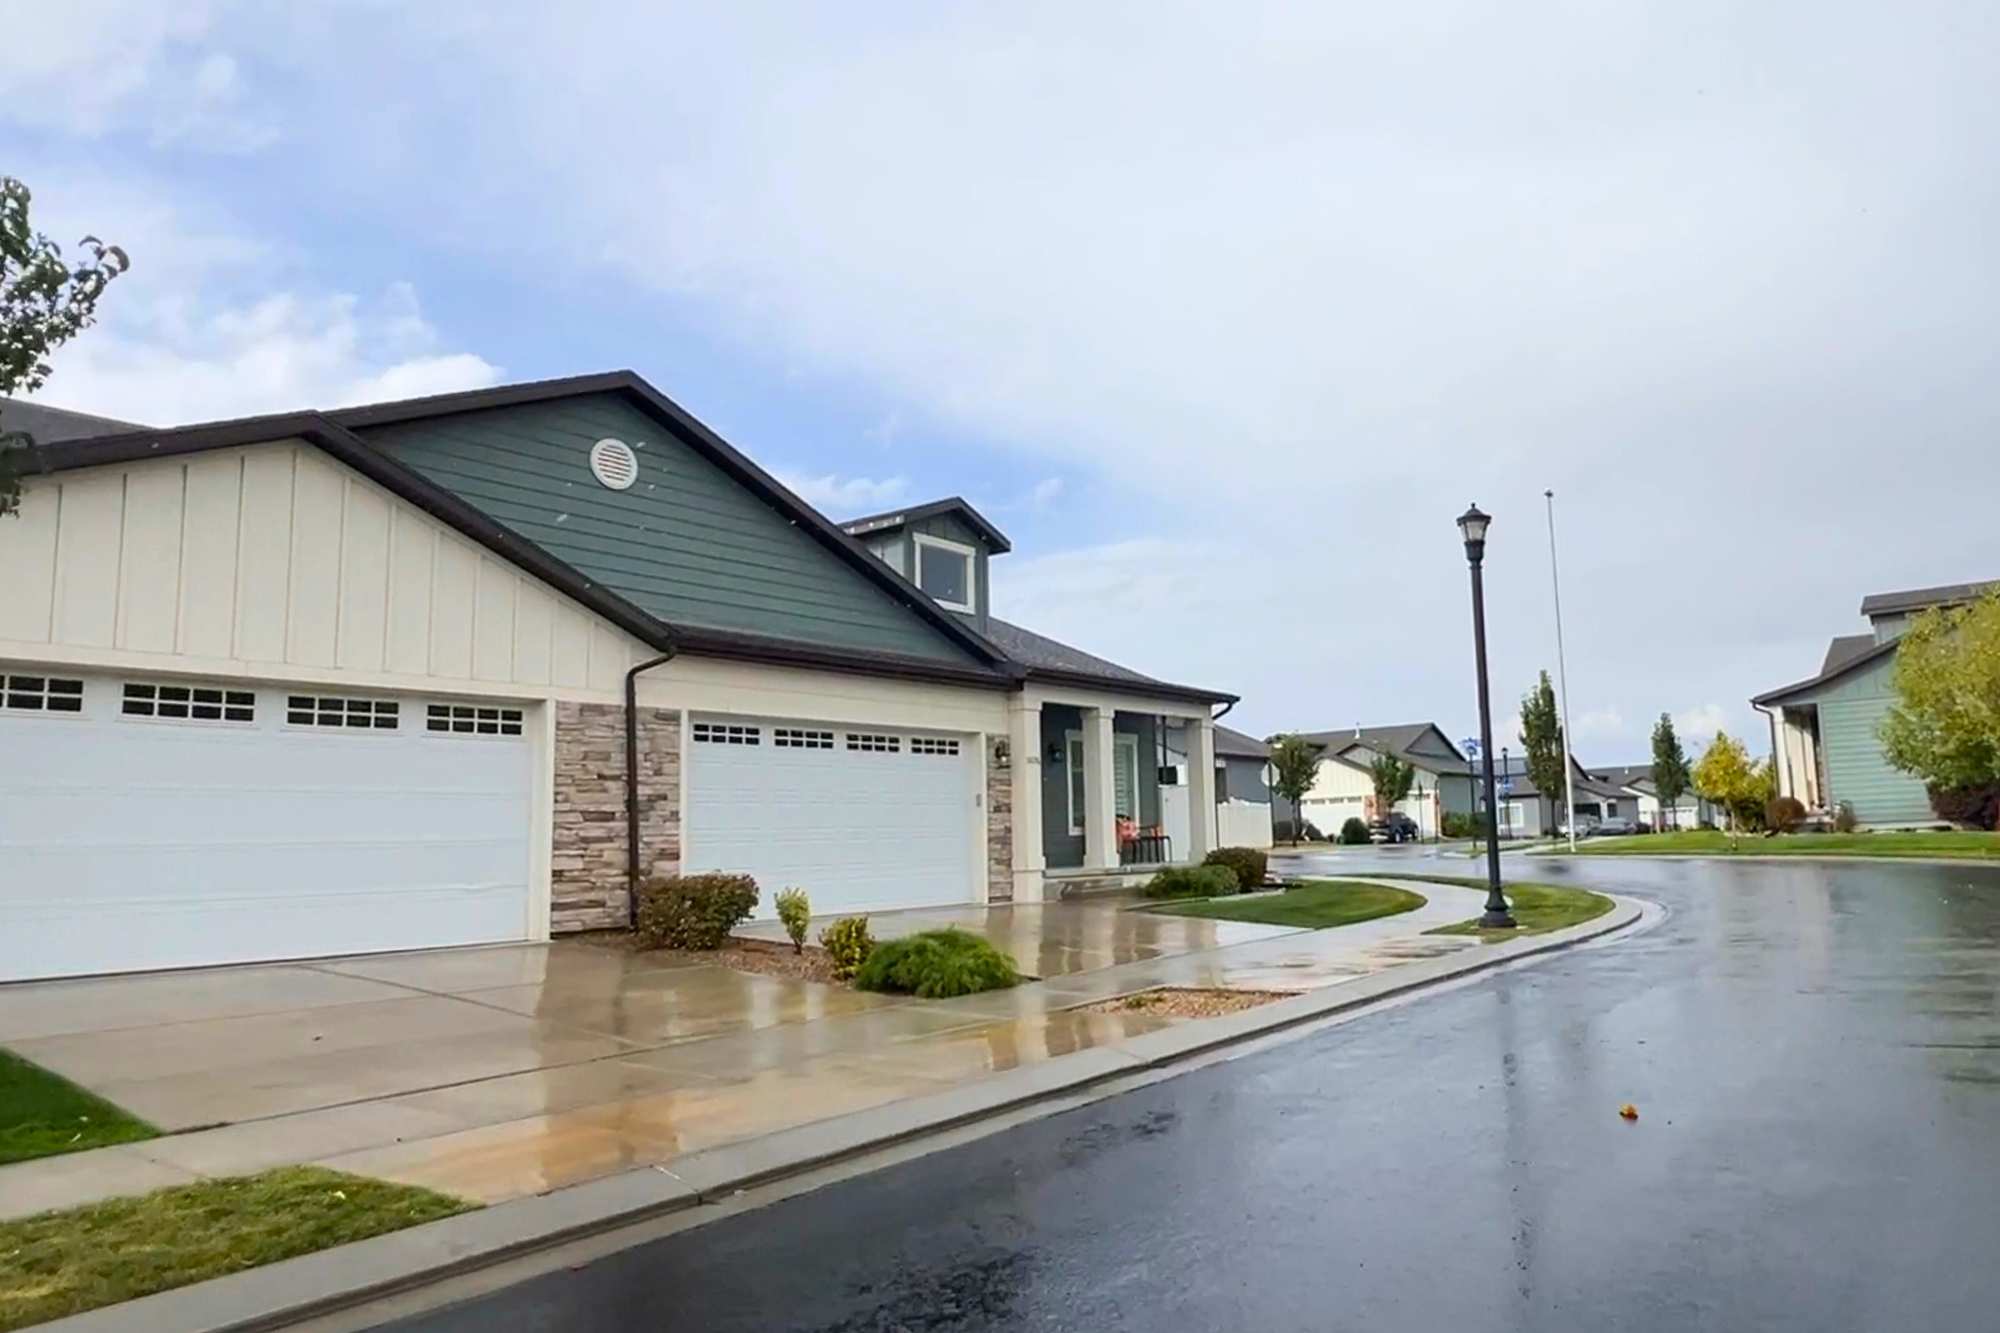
point(1524, 811)
point(1343, 788)
point(1242, 789)
point(1824, 729)
point(1688, 811)
point(467, 668)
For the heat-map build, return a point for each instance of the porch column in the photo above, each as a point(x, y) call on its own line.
point(1200, 733)
point(1024, 744)
point(1815, 799)
point(1100, 791)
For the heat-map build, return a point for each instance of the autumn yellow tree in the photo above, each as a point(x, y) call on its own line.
point(1726, 776)
point(1944, 726)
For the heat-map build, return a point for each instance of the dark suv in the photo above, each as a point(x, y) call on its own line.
point(1393, 827)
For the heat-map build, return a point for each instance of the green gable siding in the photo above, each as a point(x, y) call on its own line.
point(1850, 710)
point(686, 543)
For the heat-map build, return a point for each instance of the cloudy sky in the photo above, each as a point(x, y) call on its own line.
point(1223, 313)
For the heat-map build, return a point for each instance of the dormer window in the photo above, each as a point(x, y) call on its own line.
point(945, 571)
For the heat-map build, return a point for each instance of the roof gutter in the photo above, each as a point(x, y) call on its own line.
point(632, 783)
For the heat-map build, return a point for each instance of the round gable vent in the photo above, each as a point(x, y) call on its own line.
point(613, 463)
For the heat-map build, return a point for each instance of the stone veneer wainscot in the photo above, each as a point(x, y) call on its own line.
point(587, 862)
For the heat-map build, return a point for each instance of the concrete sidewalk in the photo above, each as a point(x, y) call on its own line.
point(494, 1074)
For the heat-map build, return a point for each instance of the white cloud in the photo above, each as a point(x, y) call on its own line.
point(1599, 722)
point(1697, 726)
point(845, 497)
point(213, 322)
point(1045, 492)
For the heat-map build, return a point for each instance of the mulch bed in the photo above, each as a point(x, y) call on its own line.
point(764, 957)
point(1187, 1002)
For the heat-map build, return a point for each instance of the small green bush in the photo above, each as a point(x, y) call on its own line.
point(936, 965)
point(1463, 824)
point(1191, 882)
point(1354, 833)
point(794, 911)
point(848, 943)
point(1247, 862)
point(694, 911)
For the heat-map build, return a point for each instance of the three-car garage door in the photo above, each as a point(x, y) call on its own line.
point(158, 823)
point(861, 818)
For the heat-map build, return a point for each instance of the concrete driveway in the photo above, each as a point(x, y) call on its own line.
point(502, 1071)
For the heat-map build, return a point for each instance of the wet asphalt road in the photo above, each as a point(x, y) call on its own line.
point(1813, 1049)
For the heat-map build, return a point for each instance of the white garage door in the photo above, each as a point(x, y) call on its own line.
point(149, 823)
point(862, 819)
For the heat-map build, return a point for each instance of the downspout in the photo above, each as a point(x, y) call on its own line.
point(1779, 759)
point(632, 783)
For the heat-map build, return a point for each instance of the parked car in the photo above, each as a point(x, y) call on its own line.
point(1615, 827)
point(1393, 827)
point(1585, 826)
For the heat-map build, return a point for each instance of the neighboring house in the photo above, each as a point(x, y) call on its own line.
point(1343, 788)
point(1242, 789)
point(1824, 728)
point(368, 679)
point(1526, 812)
point(1636, 782)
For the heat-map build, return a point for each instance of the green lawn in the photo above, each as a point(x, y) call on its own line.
point(1314, 904)
point(1538, 908)
point(41, 1114)
point(1708, 842)
point(76, 1259)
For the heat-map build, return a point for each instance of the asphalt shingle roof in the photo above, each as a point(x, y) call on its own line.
point(1396, 739)
point(49, 424)
point(1914, 599)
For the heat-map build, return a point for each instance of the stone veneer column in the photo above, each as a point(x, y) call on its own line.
point(587, 852)
point(999, 820)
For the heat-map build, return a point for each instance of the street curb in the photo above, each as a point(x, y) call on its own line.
point(285, 1293)
point(1761, 858)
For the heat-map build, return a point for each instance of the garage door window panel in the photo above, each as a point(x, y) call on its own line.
point(472, 720)
point(306, 710)
point(187, 703)
point(41, 694)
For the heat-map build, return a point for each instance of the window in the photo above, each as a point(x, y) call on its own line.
point(472, 720)
point(42, 694)
point(1124, 778)
point(880, 744)
point(794, 739)
point(191, 703)
point(944, 570)
point(305, 710)
point(933, 745)
point(718, 733)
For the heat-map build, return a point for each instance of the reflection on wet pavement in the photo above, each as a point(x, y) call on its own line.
point(501, 1071)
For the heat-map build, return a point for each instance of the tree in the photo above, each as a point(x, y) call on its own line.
point(1670, 766)
point(1544, 754)
point(44, 302)
point(1392, 778)
point(1944, 726)
point(1295, 766)
point(1725, 775)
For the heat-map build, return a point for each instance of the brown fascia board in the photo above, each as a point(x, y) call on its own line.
point(889, 520)
point(461, 516)
point(1859, 660)
point(704, 441)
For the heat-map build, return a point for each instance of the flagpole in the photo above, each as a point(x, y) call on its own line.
point(1562, 678)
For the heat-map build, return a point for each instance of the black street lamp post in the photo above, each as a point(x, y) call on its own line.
point(1472, 525)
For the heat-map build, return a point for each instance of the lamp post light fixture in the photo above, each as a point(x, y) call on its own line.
point(1472, 526)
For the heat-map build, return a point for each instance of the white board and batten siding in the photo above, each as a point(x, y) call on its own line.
point(276, 561)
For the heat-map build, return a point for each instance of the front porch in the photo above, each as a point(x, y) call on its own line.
point(1107, 794)
point(1800, 760)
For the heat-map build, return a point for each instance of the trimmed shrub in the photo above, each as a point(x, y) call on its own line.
point(794, 911)
point(1354, 832)
point(1978, 806)
point(1463, 824)
point(694, 911)
point(1191, 882)
point(847, 943)
point(1248, 863)
point(936, 965)
point(1782, 814)
point(1844, 820)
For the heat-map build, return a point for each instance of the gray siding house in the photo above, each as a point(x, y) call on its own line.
point(1823, 728)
